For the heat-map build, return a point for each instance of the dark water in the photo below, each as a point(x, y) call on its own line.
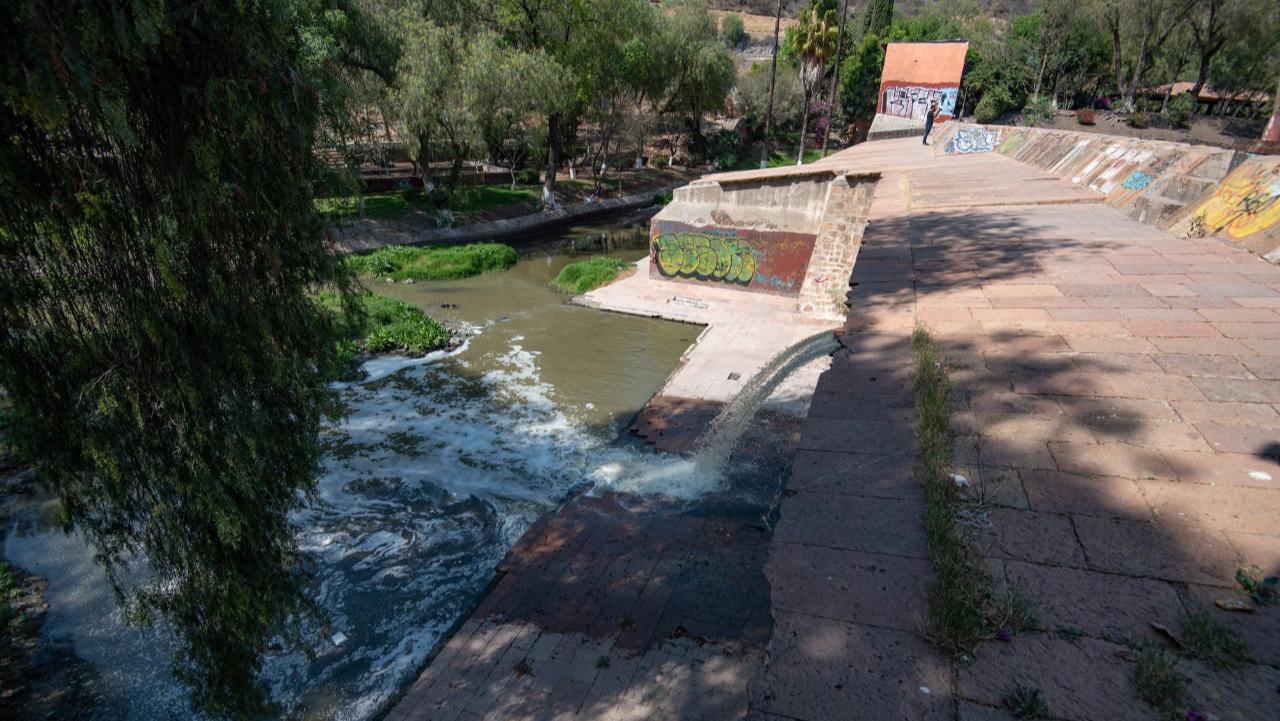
point(440, 466)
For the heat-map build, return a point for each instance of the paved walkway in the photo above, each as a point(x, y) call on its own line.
point(1117, 392)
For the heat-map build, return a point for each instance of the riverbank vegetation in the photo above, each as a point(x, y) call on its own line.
point(449, 262)
point(581, 276)
point(381, 324)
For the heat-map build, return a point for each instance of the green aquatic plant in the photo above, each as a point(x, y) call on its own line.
point(583, 275)
point(402, 262)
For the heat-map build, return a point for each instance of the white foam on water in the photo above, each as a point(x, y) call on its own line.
point(428, 481)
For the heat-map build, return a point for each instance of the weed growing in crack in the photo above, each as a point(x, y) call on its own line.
point(1206, 639)
point(1156, 677)
point(602, 662)
point(963, 610)
point(1026, 703)
point(1263, 591)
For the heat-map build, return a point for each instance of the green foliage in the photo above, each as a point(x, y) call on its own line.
point(1084, 116)
point(860, 79)
point(1026, 703)
point(879, 17)
point(1206, 639)
point(475, 198)
point(1036, 109)
point(403, 262)
point(1180, 109)
point(1137, 119)
point(732, 30)
point(1263, 591)
point(1156, 677)
point(992, 105)
point(167, 370)
point(583, 275)
point(375, 205)
point(382, 324)
point(750, 96)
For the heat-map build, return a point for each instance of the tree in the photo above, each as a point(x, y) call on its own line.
point(429, 100)
point(815, 43)
point(514, 92)
point(879, 17)
point(773, 74)
point(1209, 33)
point(702, 68)
point(750, 97)
point(158, 242)
point(835, 76)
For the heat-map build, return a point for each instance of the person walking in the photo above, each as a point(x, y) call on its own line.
point(928, 121)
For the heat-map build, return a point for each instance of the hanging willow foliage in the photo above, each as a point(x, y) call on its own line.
point(157, 245)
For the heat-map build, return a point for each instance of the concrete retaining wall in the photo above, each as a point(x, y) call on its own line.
point(1186, 189)
point(795, 236)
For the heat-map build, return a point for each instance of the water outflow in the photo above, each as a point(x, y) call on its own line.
point(720, 438)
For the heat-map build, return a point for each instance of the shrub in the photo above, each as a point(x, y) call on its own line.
point(402, 262)
point(1084, 116)
point(732, 30)
point(1039, 108)
point(1181, 107)
point(1137, 119)
point(529, 176)
point(583, 275)
point(991, 106)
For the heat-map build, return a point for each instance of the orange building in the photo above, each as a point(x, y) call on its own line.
point(916, 75)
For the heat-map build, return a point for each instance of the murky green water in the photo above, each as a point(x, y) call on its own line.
point(438, 469)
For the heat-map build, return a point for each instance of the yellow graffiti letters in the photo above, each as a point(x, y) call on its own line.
point(705, 257)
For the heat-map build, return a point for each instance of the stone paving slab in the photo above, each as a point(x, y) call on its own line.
point(1119, 383)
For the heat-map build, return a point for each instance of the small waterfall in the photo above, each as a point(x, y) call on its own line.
point(722, 435)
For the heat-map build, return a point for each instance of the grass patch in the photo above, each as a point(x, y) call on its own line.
point(1156, 677)
point(583, 275)
point(778, 158)
point(1206, 639)
point(963, 608)
point(402, 262)
point(376, 205)
point(1026, 702)
point(384, 325)
point(475, 198)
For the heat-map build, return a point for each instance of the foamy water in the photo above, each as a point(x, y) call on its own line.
point(431, 477)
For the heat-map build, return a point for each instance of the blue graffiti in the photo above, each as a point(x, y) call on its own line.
point(1138, 180)
point(971, 140)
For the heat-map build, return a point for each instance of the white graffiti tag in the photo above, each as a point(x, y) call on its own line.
point(911, 102)
point(972, 140)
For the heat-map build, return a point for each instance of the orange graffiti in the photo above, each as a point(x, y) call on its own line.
point(1247, 202)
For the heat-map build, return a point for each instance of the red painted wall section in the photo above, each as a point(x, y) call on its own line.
point(756, 260)
point(918, 74)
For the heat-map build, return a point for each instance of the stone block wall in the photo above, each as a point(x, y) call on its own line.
point(826, 283)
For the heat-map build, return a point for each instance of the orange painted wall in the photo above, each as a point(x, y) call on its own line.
point(917, 74)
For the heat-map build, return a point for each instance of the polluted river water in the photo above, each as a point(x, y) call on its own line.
point(438, 467)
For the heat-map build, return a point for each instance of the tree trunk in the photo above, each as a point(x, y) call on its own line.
point(1129, 98)
point(1044, 62)
point(835, 78)
point(804, 124)
point(773, 76)
point(549, 176)
point(1272, 133)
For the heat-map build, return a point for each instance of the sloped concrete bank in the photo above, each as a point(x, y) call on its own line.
point(1189, 190)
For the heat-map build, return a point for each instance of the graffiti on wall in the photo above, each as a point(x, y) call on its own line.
point(914, 102)
point(971, 140)
point(1137, 180)
point(1247, 202)
point(705, 257)
point(767, 261)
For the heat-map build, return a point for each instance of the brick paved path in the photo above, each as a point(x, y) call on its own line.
point(1117, 395)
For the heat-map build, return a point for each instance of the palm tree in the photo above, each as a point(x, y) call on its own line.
point(835, 76)
point(816, 39)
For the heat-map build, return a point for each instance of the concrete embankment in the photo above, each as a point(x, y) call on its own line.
point(1189, 190)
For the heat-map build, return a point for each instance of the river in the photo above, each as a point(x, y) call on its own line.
point(440, 465)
